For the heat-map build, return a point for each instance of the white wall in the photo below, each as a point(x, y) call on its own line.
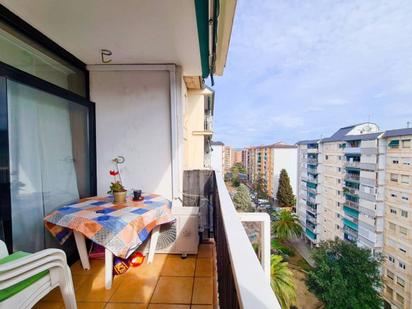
point(217, 158)
point(285, 158)
point(133, 120)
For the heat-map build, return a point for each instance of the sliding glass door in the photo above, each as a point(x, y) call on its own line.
point(49, 160)
point(47, 134)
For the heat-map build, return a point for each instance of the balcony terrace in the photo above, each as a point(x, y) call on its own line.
point(351, 204)
point(312, 236)
point(352, 165)
point(312, 160)
point(312, 171)
point(168, 282)
point(352, 177)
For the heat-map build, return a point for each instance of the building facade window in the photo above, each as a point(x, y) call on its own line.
point(404, 213)
point(392, 226)
point(394, 177)
point(400, 298)
point(402, 265)
point(389, 291)
point(393, 144)
point(406, 143)
point(405, 179)
point(391, 259)
point(393, 211)
point(400, 281)
point(389, 274)
point(403, 230)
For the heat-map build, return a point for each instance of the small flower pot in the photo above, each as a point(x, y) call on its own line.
point(120, 197)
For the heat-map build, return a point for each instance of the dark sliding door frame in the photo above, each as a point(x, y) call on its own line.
point(8, 72)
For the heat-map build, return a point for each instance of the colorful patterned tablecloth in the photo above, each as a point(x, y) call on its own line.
point(121, 228)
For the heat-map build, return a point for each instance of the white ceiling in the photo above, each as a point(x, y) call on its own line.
point(136, 31)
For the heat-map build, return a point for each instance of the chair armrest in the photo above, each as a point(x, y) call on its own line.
point(19, 276)
point(56, 253)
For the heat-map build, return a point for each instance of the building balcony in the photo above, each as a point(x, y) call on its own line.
point(353, 192)
point(353, 214)
point(312, 171)
point(352, 150)
point(311, 199)
point(208, 123)
point(311, 235)
point(311, 190)
point(312, 206)
point(225, 271)
point(194, 279)
point(312, 180)
point(351, 204)
point(312, 161)
point(312, 150)
point(352, 164)
point(310, 218)
point(347, 222)
point(350, 234)
point(311, 227)
point(352, 177)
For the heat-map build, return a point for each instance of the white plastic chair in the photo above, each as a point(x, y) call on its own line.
point(14, 272)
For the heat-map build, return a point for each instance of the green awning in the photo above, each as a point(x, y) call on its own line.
point(310, 234)
point(349, 223)
point(351, 212)
point(394, 143)
point(202, 19)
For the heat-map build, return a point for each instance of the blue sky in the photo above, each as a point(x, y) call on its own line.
point(302, 69)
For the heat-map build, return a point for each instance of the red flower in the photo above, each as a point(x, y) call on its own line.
point(113, 173)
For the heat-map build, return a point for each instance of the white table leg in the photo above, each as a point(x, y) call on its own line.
point(153, 244)
point(108, 268)
point(81, 248)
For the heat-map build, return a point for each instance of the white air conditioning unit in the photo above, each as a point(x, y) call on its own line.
point(180, 236)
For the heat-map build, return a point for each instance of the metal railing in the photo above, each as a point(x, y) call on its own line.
point(350, 231)
point(352, 177)
point(351, 204)
point(312, 160)
point(242, 282)
point(354, 164)
point(350, 191)
point(208, 126)
point(312, 171)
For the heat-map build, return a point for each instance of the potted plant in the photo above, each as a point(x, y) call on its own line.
point(116, 187)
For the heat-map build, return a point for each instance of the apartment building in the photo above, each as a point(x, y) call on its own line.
point(344, 194)
point(357, 185)
point(217, 161)
point(236, 156)
point(267, 162)
point(308, 199)
point(227, 158)
point(398, 218)
point(244, 157)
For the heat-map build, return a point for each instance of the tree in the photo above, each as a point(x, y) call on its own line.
point(286, 225)
point(242, 199)
point(236, 169)
point(282, 281)
point(285, 195)
point(346, 276)
point(260, 187)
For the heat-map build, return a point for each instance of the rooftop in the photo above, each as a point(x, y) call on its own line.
point(398, 132)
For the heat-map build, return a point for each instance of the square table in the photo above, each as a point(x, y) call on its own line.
point(121, 228)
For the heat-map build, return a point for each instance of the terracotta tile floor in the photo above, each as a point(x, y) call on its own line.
point(170, 282)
